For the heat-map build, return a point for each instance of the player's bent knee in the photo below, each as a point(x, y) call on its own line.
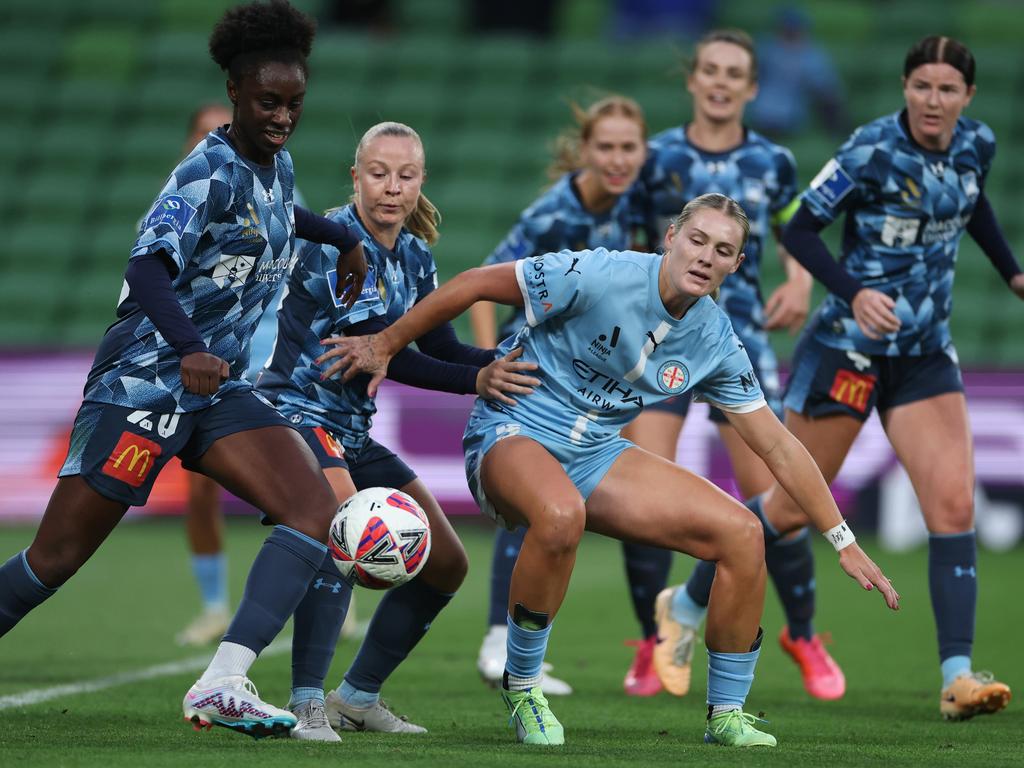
point(955, 512)
point(560, 527)
point(447, 567)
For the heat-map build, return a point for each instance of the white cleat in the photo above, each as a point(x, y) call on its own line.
point(377, 718)
point(233, 702)
point(491, 664)
point(206, 628)
point(312, 723)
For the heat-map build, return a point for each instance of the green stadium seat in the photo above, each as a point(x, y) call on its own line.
point(103, 51)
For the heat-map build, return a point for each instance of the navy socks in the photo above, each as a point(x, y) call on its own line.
point(399, 623)
point(506, 550)
point(953, 583)
point(791, 566)
point(647, 570)
point(20, 591)
point(318, 620)
point(278, 580)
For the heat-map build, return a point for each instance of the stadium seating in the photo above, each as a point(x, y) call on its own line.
point(104, 87)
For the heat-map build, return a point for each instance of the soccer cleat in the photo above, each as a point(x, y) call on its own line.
point(311, 722)
point(973, 693)
point(208, 627)
point(490, 662)
point(533, 719)
point(641, 679)
point(823, 678)
point(673, 651)
point(735, 728)
point(377, 718)
point(233, 702)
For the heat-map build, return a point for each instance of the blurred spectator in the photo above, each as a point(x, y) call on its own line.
point(797, 75)
point(686, 19)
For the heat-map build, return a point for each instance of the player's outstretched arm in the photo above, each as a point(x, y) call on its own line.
point(351, 356)
point(796, 472)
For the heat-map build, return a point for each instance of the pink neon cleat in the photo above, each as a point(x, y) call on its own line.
point(823, 678)
point(641, 679)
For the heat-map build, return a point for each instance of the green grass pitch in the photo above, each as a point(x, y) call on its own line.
point(120, 613)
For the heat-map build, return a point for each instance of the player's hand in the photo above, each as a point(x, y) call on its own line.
point(353, 355)
point(203, 373)
point(788, 306)
point(859, 566)
point(1017, 285)
point(351, 275)
point(873, 311)
point(505, 375)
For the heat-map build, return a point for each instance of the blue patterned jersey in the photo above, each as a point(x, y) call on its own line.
point(607, 347)
point(310, 312)
point(558, 221)
point(906, 209)
point(759, 175)
point(229, 226)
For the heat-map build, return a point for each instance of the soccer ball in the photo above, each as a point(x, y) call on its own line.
point(379, 538)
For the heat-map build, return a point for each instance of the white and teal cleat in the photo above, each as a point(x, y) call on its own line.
point(233, 702)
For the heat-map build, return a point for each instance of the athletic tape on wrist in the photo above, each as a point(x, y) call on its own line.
point(840, 536)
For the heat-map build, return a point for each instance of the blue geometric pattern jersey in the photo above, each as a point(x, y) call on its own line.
point(229, 225)
point(309, 312)
point(906, 209)
point(607, 346)
point(759, 175)
point(557, 221)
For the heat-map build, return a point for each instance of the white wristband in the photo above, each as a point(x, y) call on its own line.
point(840, 537)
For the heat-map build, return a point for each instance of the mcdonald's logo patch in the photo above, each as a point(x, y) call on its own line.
point(852, 389)
point(132, 459)
point(329, 442)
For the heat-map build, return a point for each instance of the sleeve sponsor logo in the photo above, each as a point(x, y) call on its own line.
point(132, 459)
point(832, 183)
point(853, 389)
point(172, 210)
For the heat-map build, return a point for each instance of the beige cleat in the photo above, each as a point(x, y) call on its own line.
point(673, 654)
point(208, 627)
point(973, 693)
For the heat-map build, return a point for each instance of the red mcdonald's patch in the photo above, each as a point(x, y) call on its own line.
point(852, 389)
point(132, 459)
point(329, 443)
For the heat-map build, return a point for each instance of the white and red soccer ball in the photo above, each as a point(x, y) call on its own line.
point(379, 538)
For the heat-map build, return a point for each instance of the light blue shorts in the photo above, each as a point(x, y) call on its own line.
point(586, 465)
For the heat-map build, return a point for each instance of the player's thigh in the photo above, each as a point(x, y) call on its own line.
point(648, 500)
point(932, 439)
point(273, 469)
point(341, 483)
point(527, 485)
point(751, 473)
point(656, 430)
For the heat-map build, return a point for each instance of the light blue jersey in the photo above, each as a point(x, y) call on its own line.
point(555, 221)
point(607, 347)
point(228, 224)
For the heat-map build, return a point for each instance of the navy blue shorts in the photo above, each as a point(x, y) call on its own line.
point(371, 466)
point(677, 405)
point(120, 451)
point(828, 381)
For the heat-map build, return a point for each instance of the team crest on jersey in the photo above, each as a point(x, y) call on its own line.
point(911, 196)
point(233, 270)
point(172, 210)
point(673, 377)
point(969, 181)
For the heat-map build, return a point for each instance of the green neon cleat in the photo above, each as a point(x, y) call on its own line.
point(534, 721)
point(735, 728)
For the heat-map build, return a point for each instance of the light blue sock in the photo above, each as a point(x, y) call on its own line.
point(302, 695)
point(685, 610)
point(211, 573)
point(356, 698)
point(525, 655)
point(730, 676)
point(953, 667)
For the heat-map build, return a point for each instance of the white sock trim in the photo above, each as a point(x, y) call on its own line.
point(230, 659)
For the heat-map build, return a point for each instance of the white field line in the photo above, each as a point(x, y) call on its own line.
point(39, 695)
